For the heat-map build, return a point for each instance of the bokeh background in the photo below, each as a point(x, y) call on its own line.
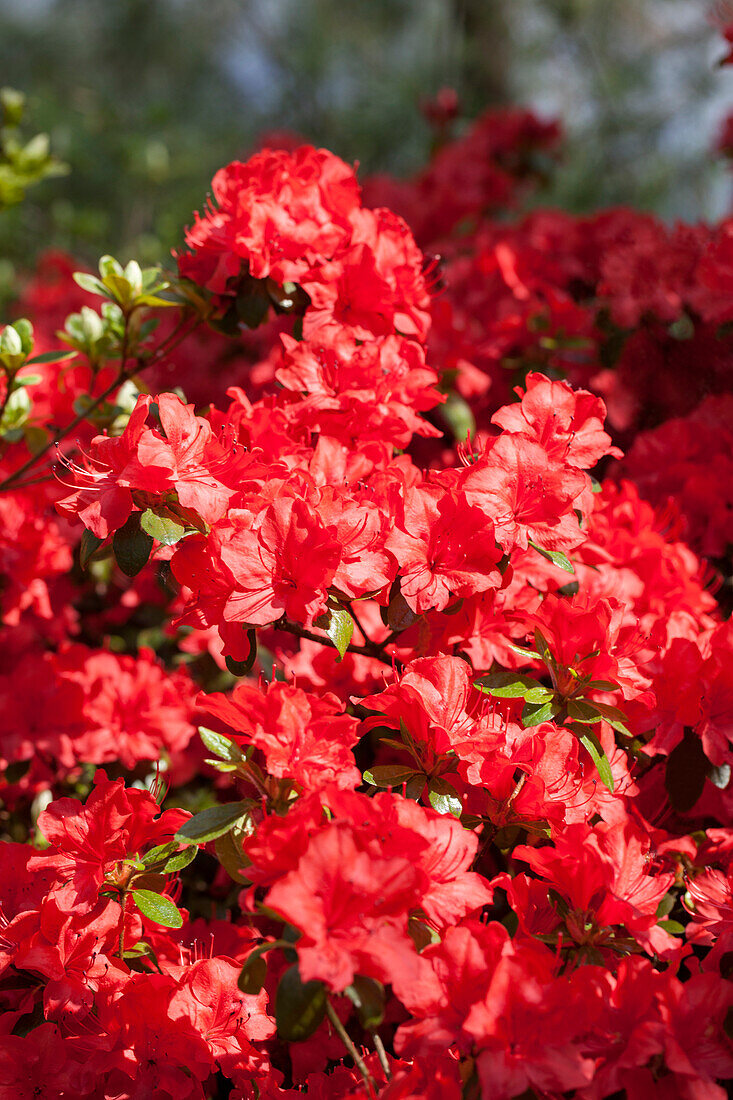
point(144, 99)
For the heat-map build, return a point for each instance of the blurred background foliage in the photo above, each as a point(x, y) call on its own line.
point(145, 99)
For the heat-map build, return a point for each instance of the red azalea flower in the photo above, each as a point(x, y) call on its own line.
point(282, 568)
point(304, 737)
point(88, 842)
point(444, 547)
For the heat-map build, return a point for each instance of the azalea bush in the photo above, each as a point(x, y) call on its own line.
point(367, 679)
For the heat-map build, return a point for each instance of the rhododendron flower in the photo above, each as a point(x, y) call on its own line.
point(303, 737)
point(352, 902)
point(568, 423)
point(435, 701)
point(444, 548)
point(526, 494)
point(284, 567)
point(33, 554)
point(70, 955)
point(103, 500)
point(373, 568)
point(87, 842)
point(711, 893)
point(604, 874)
point(209, 1000)
point(183, 458)
point(280, 213)
point(360, 877)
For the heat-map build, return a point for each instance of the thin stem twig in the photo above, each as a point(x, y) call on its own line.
point(369, 649)
point(391, 637)
point(346, 1040)
point(33, 481)
point(36, 458)
point(121, 942)
point(123, 375)
point(381, 1054)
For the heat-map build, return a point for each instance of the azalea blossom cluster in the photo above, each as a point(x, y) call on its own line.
point(368, 666)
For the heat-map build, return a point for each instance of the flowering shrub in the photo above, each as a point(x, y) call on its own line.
point(442, 580)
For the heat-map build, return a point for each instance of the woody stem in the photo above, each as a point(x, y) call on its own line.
point(381, 1054)
point(121, 941)
point(375, 646)
point(346, 1040)
point(369, 649)
point(36, 458)
point(122, 375)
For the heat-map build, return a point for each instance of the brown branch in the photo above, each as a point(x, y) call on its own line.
point(346, 1040)
point(381, 1054)
point(381, 646)
point(369, 649)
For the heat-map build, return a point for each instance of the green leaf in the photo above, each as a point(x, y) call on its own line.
point(570, 589)
point(367, 997)
point(91, 284)
point(24, 328)
point(165, 530)
point(555, 556)
point(159, 852)
point(615, 717)
point(594, 748)
point(89, 544)
point(252, 308)
point(16, 412)
point(443, 798)
point(134, 275)
point(389, 775)
point(10, 342)
point(254, 971)
point(211, 823)
point(400, 615)
point(340, 629)
point(508, 685)
point(229, 852)
point(683, 328)
point(457, 414)
point(219, 765)
point(581, 710)
point(543, 648)
point(59, 356)
point(299, 1006)
point(407, 738)
point(415, 787)
point(108, 266)
point(253, 975)
point(155, 300)
point(139, 949)
point(220, 745)
point(181, 859)
point(392, 742)
point(533, 714)
point(665, 906)
point(158, 908)
point(531, 653)
point(672, 926)
point(539, 694)
point(131, 546)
